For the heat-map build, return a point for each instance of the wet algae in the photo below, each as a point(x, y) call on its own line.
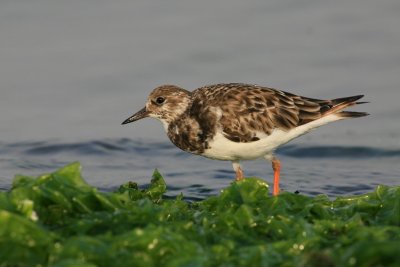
point(58, 219)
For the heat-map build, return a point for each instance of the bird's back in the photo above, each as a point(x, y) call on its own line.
point(244, 112)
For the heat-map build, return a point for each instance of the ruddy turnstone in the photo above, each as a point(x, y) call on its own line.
point(237, 121)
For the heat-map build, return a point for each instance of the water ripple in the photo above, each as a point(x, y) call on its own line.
point(109, 163)
point(125, 145)
point(337, 152)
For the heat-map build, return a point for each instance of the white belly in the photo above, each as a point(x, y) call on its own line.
point(222, 148)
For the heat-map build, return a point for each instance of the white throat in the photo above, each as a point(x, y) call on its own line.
point(165, 125)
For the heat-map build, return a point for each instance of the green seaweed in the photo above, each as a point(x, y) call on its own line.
point(59, 220)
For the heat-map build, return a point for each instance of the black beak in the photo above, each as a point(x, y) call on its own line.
point(143, 113)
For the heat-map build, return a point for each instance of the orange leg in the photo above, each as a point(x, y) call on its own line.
point(238, 170)
point(276, 166)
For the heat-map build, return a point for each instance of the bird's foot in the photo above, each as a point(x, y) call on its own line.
point(239, 174)
point(276, 166)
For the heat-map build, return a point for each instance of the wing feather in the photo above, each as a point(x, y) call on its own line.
point(248, 111)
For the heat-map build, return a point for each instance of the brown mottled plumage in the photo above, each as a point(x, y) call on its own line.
point(238, 121)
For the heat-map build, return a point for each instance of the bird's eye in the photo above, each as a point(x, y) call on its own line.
point(160, 100)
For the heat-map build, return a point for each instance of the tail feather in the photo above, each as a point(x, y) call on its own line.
point(337, 105)
point(348, 99)
point(351, 114)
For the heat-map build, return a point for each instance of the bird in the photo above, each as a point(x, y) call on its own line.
point(239, 121)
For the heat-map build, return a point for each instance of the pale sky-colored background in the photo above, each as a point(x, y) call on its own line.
point(74, 70)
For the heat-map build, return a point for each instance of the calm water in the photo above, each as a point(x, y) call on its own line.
point(332, 170)
point(72, 71)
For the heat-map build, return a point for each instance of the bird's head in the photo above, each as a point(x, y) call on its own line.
point(165, 103)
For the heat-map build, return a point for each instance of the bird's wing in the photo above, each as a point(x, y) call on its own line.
point(244, 112)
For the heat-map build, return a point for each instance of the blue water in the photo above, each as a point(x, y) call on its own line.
point(311, 170)
point(72, 71)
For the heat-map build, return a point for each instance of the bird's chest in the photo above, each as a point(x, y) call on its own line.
point(187, 136)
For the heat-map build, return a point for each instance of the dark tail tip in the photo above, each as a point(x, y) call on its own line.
point(351, 114)
point(347, 99)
